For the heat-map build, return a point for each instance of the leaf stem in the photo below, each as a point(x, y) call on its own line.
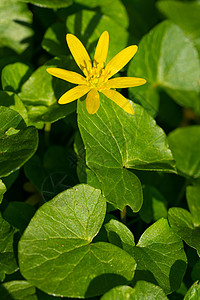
point(47, 129)
point(123, 215)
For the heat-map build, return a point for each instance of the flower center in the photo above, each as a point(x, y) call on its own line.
point(96, 76)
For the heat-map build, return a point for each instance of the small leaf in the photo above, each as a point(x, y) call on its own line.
point(154, 205)
point(185, 145)
point(14, 75)
point(142, 290)
point(17, 146)
point(186, 224)
point(160, 257)
point(194, 292)
point(17, 290)
point(120, 235)
point(2, 190)
point(40, 94)
point(57, 246)
point(12, 101)
point(8, 263)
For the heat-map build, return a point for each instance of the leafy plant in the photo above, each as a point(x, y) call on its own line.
point(99, 197)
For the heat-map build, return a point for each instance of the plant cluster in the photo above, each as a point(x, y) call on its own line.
point(99, 197)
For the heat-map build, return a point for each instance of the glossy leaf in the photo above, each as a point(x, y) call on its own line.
point(185, 145)
point(124, 142)
point(173, 65)
point(57, 246)
point(17, 290)
point(142, 290)
point(160, 257)
point(17, 142)
point(8, 263)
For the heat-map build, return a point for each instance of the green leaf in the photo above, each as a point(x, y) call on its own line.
point(195, 274)
point(193, 200)
point(50, 3)
point(8, 263)
point(185, 145)
point(2, 190)
point(185, 15)
point(18, 214)
point(124, 142)
point(173, 65)
point(154, 205)
point(194, 292)
point(87, 26)
point(160, 257)
point(17, 142)
point(182, 223)
point(115, 9)
point(14, 75)
point(17, 290)
point(40, 94)
point(56, 246)
point(142, 290)
point(120, 235)
point(12, 101)
point(15, 29)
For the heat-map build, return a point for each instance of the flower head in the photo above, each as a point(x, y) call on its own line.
point(97, 75)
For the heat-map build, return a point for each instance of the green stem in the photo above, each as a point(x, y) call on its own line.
point(47, 129)
point(123, 215)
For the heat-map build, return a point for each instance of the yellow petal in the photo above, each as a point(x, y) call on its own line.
point(101, 50)
point(119, 100)
point(92, 101)
point(79, 53)
point(74, 94)
point(70, 76)
point(124, 82)
point(120, 60)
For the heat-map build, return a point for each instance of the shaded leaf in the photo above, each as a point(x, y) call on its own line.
point(160, 257)
point(185, 145)
point(17, 142)
point(8, 263)
point(173, 65)
point(142, 290)
point(14, 75)
point(185, 15)
point(120, 235)
point(17, 290)
point(15, 29)
point(40, 94)
point(50, 3)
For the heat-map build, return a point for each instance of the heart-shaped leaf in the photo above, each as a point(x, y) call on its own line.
point(56, 246)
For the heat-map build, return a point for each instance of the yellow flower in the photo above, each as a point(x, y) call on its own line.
point(97, 78)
